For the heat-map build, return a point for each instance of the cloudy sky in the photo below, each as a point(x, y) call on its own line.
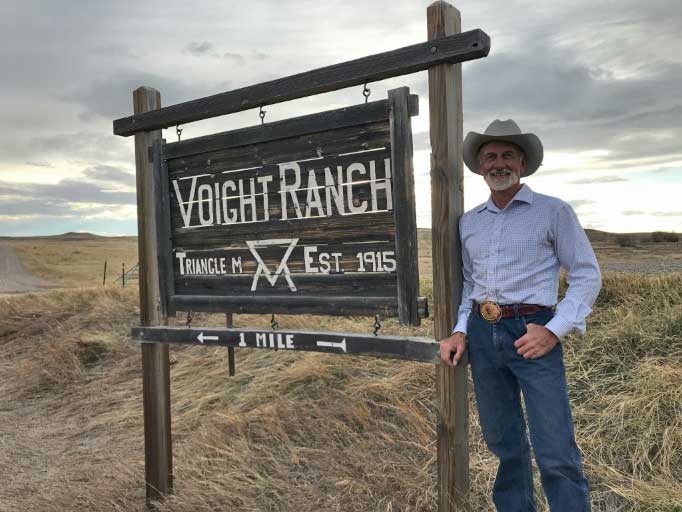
point(598, 82)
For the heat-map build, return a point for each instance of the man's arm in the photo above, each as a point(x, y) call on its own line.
point(452, 348)
point(576, 255)
point(464, 309)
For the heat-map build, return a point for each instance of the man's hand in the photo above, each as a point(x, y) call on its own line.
point(452, 348)
point(536, 342)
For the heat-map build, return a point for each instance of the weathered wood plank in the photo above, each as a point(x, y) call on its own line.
point(356, 115)
point(410, 59)
point(379, 226)
point(295, 149)
point(322, 258)
point(445, 109)
point(364, 197)
point(356, 283)
point(309, 305)
point(325, 170)
point(405, 215)
point(155, 359)
point(395, 347)
point(164, 249)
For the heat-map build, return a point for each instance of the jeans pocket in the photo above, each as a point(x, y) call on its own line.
point(539, 318)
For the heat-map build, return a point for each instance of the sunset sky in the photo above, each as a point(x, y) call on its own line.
point(598, 82)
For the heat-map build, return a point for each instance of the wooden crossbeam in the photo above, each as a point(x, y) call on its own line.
point(395, 347)
point(462, 47)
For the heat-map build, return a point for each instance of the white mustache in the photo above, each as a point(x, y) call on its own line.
point(500, 172)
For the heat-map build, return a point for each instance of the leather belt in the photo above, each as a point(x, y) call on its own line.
point(493, 312)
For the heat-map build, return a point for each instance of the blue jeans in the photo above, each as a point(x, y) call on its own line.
point(500, 374)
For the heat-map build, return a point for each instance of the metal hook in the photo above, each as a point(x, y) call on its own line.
point(189, 319)
point(273, 323)
point(366, 92)
point(178, 130)
point(261, 114)
point(376, 325)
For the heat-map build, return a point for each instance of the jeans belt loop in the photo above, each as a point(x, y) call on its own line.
point(516, 311)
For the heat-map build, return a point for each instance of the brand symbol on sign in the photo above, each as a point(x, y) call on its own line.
point(263, 269)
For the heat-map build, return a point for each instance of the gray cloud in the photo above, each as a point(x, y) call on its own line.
point(110, 174)
point(111, 98)
point(69, 190)
point(45, 208)
point(600, 179)
point(40, 164)
point(652, 213)
point(582, 75)
point(199, 49)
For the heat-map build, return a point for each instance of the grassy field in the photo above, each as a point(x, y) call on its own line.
point(76, 259)
point(302, 431)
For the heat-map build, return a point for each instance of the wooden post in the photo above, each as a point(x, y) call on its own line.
point(155, 359)
point(104, 278)
point(230, 350)
point(405, 214)
point(447, 205)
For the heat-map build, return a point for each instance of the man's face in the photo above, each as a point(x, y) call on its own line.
point(501, 165)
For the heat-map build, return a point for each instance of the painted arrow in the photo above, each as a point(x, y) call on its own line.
point(201, 338)
point(334, 344)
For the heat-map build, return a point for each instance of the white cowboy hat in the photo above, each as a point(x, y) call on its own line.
point(503, 131)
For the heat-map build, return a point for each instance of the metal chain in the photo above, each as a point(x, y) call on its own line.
point(366, 92)
point(189, 319)
point(261, 114)
point(376, 325)
point(273, 323)
point(178, 130)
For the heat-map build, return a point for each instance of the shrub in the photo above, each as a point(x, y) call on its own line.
point(662, 236)
point(626, 241)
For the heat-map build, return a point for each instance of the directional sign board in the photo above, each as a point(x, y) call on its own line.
point(307, 215)
point(396, 347)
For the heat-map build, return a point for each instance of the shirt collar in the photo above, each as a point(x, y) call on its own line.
point(524, 195)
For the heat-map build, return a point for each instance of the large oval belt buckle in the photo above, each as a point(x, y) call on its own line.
point(491, 311)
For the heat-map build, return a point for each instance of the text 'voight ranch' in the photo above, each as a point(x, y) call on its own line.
point(292, 190)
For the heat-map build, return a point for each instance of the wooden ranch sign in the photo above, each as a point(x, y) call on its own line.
point(314, 214)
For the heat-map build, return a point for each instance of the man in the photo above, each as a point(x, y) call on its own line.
point(513, 247)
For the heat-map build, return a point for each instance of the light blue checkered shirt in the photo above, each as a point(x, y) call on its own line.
point(513, 256)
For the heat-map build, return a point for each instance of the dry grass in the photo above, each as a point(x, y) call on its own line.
point(76, 262)
point(304, 432)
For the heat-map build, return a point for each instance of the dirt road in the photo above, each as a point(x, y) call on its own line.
point(13, 276)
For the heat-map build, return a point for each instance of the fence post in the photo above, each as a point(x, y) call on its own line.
point(104, 279)
point(155, 357)
point(447, 205)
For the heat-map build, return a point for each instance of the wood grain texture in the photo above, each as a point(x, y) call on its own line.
point(349, 285)
point(295, 127)
point(347, 258)
point(384, 307)
point(396, 347)
point(379, 226)
point(445, 109)
point(405, 211)
point(459, 48)
point(155, 359)
point(162, 212)
point(316, 145)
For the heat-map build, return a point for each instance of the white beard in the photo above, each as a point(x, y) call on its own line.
point(501, 180)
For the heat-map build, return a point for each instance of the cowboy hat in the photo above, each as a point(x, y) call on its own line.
point(503, 131)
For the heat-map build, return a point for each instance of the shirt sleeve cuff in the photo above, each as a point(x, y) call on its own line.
point(462, 321)
point(559, 326)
